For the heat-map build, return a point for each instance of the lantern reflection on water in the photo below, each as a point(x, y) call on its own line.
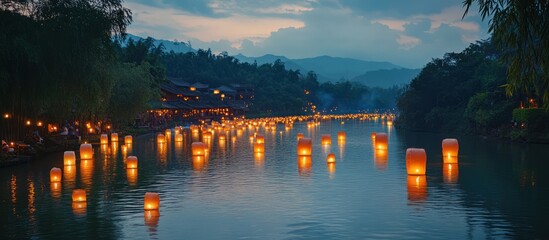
point(331, 167)
point(380, 159)
point(304, 147)
point(55, 188)
point(69, 173)
point(86, 151)
point(260, 138)
point(79, 208)
point(416, 161)
point(131, 174)
point(151, 201)
point(259, 147)
point(151, 217)
point(304, 165)
point(55, 174)
point(160, 138)
point(69, 158)
point(131, 162)
point(450, 149)
point(104, 139)
point(417, 188)
point(178, 137)
point(450, 172)
point(199, 162)
point(259, 159)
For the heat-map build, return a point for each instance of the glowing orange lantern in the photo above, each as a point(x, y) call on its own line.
point(128, 139)
point(304, 147)
point(152, 201)
point(331, 158)
point(222, 137)
point(86, 151)
point(341, 136)
point(259, 147)
point(114, 137)
point(326, 139)
point(178, 137)
point(450, 148)
point(198, 148)
point(416, 161)
point(260, 138)
point(55, 175)
point(160, 138)
point(300, 136)
point(417, 188)
point(207, 135)
point(78, 195)
point(381, 141)
point(131, 162)
point(104, 139)
point(168, 132)
point(69, 158)
point(450, 172)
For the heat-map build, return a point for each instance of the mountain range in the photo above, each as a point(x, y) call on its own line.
point(327, 68)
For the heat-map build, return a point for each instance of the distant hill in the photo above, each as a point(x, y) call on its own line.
point(168, 45)
point(386, 78)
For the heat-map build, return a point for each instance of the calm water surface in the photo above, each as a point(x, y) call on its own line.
point(498, 190)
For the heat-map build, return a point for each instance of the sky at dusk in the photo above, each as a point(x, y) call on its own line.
point(405, 32)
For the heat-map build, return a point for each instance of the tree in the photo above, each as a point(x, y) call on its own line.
point(521, 31)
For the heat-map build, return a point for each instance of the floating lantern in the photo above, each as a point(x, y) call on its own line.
point(207, 135)
point(152, 201)
point(260, 138)
point(300, 136)
point(168, 132)
point(416, 161)
point(55, 174)
point(69, 158)
point(381, 141)
point(341, 136)
point(131, 162)
point(450, 148)
point(450, 172)
point(331, 158)
point(78, 195)
point(326, 139)
point(131, 173)
point(128, 139)
point(222, 137)
point(104, 139)
point(304, 147)
point(259, 147)
point(417, 188)
point(198, 148)
point(160, 138)
point(114, 137)
point(178, 137)
point(86, 151)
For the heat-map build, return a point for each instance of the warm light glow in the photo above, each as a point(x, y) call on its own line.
point(199, 162)
point(168, 132)
point(304, 165)
point(128, 139)
point(152, 201)
point(450, 148)
point(304, 147)
point(86, 151)
point(28, 123)
point(104, 139)
point(381, 141)
point(331, 168)
point(55, 174)
point(69, 173)
point(450, 172)
point(417, 188)
point(55, 188)
point(114, 137)
point(39, 124)
point(373, 135)
point(300, 136)
point(151, 217)
point(331, 158)
point(131, 173)
point(326, 139)
point(178, 137)
point(192, 88)
point(380, 159)
point(6, 115)
point(79, 207)
point(69, 158)
point(341, 136)
point(216, 91)
point(416, 161)
point(260, 138)
point(78, 195)
point(198, 148)
point(160, 138)
point(259, 147)
point(131, 162)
